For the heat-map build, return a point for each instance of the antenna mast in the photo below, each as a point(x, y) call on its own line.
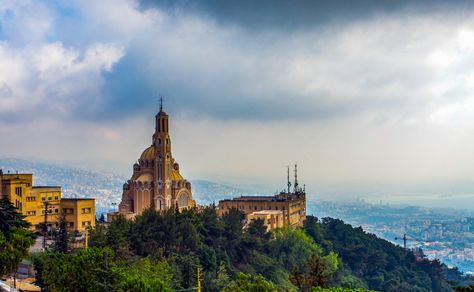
point(288, 178)
point(296, 177)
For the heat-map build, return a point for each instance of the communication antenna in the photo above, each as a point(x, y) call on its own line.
point(288, 178)
point(296, 177)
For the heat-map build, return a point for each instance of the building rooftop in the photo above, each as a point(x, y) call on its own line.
point(46, 187)
point(282, 197)
point(76, 199)
point(266, 212)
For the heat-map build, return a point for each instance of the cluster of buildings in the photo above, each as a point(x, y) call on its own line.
point(156, 183)
point(44, 205)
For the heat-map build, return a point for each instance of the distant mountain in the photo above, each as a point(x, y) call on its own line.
point(106, 187)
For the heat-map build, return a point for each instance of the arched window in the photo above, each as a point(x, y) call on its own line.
point(183, 200)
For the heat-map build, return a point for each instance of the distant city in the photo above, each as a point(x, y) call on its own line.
point(446, 234)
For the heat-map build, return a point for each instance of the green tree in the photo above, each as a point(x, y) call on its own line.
point(61, 238)
point(144, 275)
point(117, 237)
point(293, 247)
point(247, 283)
point(233, 234)
point(98, 236)
point(319, 271)
point(86, 270)
point(15, 239)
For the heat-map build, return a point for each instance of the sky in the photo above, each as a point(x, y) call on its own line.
point(371, 98)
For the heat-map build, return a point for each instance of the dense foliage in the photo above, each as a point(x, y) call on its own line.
point(159, 251)
point(96, 269)
point(374, 263)
point(15, 239)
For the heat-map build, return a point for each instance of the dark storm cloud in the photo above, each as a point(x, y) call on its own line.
point(135, 86)
point(183, 63)
point(303, 14)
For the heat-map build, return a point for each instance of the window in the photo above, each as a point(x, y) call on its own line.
point(18, 191)
point(56, 210)
point(50, 198)
point(71, 224)
point(43, 199)
point(86, 223)
point(30, 199)
point(85, 210)
point(30, 213)
point(56, 197)
point(42, 212)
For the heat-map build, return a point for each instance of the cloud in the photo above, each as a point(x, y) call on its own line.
point(44, 79)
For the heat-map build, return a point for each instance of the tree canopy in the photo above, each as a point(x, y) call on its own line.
point(15, 239)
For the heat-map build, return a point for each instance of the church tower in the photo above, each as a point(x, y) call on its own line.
point(162, 145)
point(156, 181)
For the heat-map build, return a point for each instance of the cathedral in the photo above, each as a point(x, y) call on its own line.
point(156, 181)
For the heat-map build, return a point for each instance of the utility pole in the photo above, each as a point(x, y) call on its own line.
point(199, 270)
point(87, 239)
point(45, 227)
point(404, 238)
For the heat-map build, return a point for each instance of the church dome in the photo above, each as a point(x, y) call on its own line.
point(148, 154)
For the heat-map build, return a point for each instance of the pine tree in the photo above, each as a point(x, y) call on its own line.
point(15, 239)
point(10, 217)
point(61, 240)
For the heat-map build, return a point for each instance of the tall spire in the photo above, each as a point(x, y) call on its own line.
point(161, 103)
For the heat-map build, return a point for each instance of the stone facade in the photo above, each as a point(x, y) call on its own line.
point(156, 181)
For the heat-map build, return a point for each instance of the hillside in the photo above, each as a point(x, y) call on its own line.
point(163, 250)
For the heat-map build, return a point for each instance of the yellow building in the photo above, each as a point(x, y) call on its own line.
point(79, 213)
point(156, 181)
point(44, 204)
point(271, 218)
point(291, 204)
